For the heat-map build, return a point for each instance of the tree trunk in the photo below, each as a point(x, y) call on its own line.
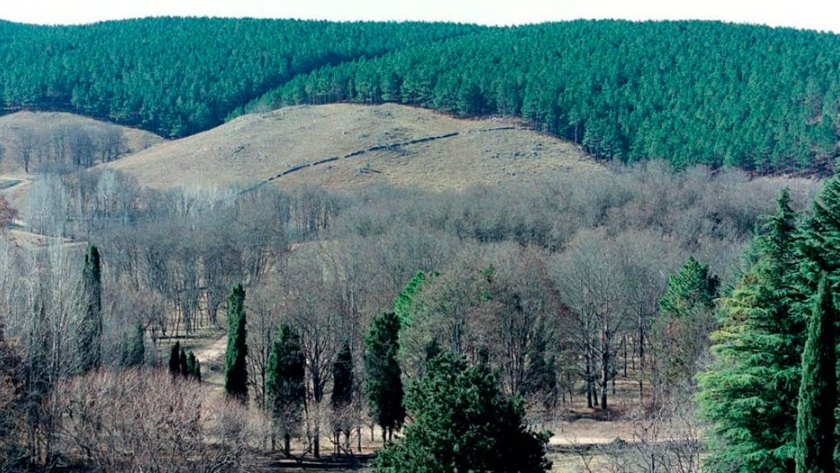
point(605, 368)
point(287, 445)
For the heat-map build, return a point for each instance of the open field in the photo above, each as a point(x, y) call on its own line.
point(386, 143)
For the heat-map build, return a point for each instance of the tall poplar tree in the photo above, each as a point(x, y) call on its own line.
point(285, 389)
point(384, 376)
point(236, 374)
point(89, 325)
point(815, 420)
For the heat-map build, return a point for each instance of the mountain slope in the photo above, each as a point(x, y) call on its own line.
point(690, 92)
point(179, 76)
point(387, 143)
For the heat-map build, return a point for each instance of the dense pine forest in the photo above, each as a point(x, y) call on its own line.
point(717, 94)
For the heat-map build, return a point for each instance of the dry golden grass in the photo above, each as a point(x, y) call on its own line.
point(253, 148)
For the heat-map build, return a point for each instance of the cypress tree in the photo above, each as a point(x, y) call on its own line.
point(135, 353)
point(750, 391)
point(815, 420)
point(342, 372)
point(198, 370)
point(384, 376)
point(285, 389)
point(89, 325)
point(175, 359)
point(183, 365)
point(236, 374)
point(192, 364)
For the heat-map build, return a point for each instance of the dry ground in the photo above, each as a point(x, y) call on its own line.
point(253, 148)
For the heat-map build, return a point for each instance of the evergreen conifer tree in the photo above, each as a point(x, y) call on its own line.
point(342, 372)
point(815, 420)
point(135, 353)
point(384, 383)
point(236, 374)
point(192, 365)
point(89, 325)
point(686, 310)
point(750, 391)
point(462, 422)
point(285, 389)
point(182, 364)
point(175, 359)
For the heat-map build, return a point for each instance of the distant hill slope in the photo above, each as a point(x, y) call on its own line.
point(179, 76)
point(691, 92)
point(387, 143)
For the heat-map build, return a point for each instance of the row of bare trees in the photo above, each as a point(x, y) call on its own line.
point(64, 147)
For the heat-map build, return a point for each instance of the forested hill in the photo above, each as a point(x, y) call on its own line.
point(179, 76)
point(691, 92)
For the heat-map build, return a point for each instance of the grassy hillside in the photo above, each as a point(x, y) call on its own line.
point(387, 143)
point(179, 76)
point(689, 92)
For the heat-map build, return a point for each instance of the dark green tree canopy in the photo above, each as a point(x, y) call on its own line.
point(89, 324)
point(692, 92)
point(342, 373)
point(815, 420)
point(236, 373)
point(462, 422)
point(384, 383)
point(750, 391)
point(285, 377)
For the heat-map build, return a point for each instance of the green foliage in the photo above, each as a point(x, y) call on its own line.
point(135, 350)
point(175, 359)
point(186, 74)
point(193, 367)
point(691, 290)
point(342, 373)
point(236, 374)
point(750, 391)
point(285, 389)
point(815, 421)
point(462, 422)
point(183, 365)
point(285, 377)
point(384, 384)
point(405, 305)
point(657, 90)
point(685, 310)
point(89, 325)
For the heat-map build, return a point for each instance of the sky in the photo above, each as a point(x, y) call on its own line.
point(822, 15)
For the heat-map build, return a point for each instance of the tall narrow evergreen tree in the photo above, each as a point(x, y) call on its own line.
point(815, 420)
point(384, 383)
point(342, 372)
point(285, 389)
point(183, 364)
point(134, 353)
point(749, 393)
point(175, 359)
point(236, 373)
point(89, 324)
